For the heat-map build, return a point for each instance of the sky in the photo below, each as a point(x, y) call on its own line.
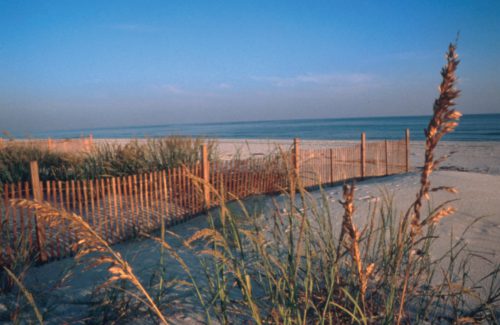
point(89, 64)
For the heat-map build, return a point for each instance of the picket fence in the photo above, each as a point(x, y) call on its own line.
point(119, 208)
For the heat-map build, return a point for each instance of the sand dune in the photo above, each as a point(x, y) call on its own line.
point(474, 170)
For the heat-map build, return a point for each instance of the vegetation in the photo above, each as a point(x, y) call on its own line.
point(107, 159)
point(293, 266)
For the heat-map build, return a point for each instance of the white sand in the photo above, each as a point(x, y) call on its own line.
point(474, 170)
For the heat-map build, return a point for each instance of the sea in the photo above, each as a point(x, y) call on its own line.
point(472, 127)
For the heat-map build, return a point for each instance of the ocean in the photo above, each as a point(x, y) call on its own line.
point(474, 127)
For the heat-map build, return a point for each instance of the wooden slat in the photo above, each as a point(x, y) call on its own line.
point(150, 200)
point(182, 182)
point(179, 195)
point(142, 215)
point(165, 195)
point(189, 198)
point(73, 196)
point(13, 196)
point(29, 219)
point(115, 210)
point(121, 223)
point(86, 200)
point(92, 203)
point(21, 211)
point(157, 210)
point(104, 213)
point(130, 199)
point(110, 215)
point(127, 207)
point(172, 207)
point(64, 235)
point(59, 247)
point(79, 198)
point(136, 203)
point(160, 195)
point(147, 209)
point(192, 193)
point(6, 220)
point(180, 186)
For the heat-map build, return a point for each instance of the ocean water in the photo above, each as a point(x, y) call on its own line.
point(478, 127)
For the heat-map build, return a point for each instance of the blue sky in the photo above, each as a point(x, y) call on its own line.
point(85, 64)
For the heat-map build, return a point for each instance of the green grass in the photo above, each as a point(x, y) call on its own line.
point(287, 265)
point(104, 160)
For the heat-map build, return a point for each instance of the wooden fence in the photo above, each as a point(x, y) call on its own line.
point(83, 144)
point(120, 207)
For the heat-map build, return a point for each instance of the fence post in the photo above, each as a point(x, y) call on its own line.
point(331, 166)
point(296, 156)
point(206, 174)
point(386, 158)
point(1, 143)
point(295, 174)
point(407, 140)
point(363, 154)
point(49, 144)
point(37, 196)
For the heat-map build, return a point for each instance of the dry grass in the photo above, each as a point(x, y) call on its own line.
point(349, 229)
point(292, 266)
point(444, 120)
point(103, 160)
point(92, 246)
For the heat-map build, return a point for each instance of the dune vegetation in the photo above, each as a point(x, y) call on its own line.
point(287, 266)
point(103, 160)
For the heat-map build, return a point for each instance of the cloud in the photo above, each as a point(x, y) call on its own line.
point(130, 27)
point(318, 79)
point(224, 85)
point(213, 90)
point(169, 89)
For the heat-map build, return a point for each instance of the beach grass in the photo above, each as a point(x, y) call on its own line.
point(103, 160)
point(292, 265)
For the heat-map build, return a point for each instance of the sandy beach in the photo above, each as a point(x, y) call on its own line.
point(474, 170)
point(466, 156)
point(273, 162)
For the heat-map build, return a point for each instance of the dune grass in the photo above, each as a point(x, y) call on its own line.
point(103, 160)
point(293, 266)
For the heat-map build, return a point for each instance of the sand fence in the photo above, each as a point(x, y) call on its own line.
point(119, 208)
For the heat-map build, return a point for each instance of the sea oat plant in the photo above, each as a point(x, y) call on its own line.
point(92, 246)
point(444, 120)
point(293, 260)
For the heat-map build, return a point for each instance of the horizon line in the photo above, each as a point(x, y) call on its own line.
point(235, 122)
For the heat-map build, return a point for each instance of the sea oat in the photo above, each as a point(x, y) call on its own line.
point(444, 120)
point(89, 242)
point(349, 229)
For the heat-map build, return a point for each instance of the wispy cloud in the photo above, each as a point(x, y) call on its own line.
point(213, 90)
point(318, 79)
point(224, 85)
point(172, 89)
point(131, 27)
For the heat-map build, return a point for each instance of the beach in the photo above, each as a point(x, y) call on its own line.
point(272, 162)
point(473, 170)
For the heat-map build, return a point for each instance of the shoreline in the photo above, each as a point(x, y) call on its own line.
point(477, 181)
point(467, 156)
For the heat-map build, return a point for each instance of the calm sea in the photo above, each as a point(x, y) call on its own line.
point(483, 127)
